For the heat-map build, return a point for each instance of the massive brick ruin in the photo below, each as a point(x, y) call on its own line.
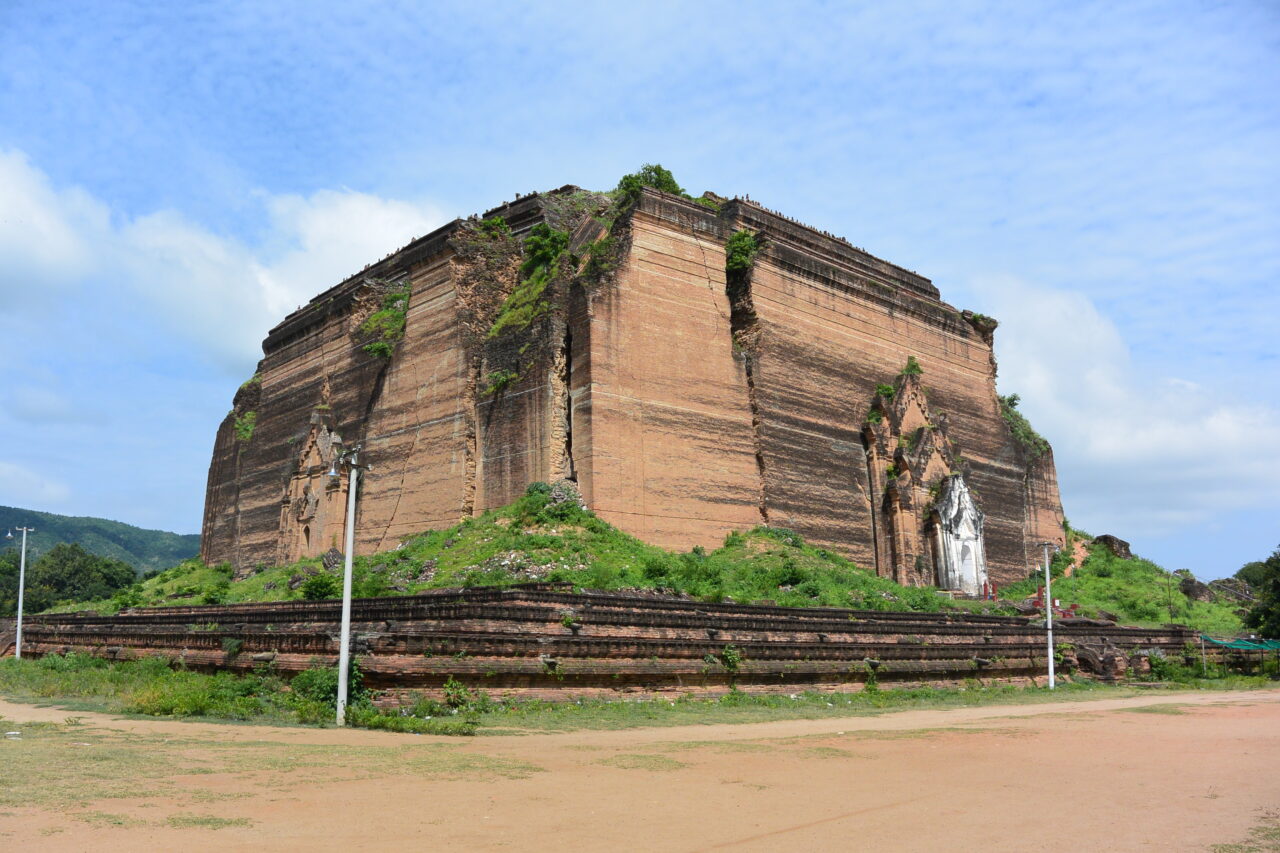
point(687, 393)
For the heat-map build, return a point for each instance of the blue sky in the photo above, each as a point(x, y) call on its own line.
point(1100, 177)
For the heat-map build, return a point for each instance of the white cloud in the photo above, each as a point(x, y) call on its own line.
point(46, 235)
point(215, 293)
point(1137, 454)
point(334, 234)
point(24, 487)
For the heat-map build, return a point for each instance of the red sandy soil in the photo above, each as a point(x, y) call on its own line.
point(1083, 775)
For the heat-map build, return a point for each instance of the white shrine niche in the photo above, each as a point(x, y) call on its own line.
point(958, 552)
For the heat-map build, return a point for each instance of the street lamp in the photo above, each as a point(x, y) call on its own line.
point(1048, 607)
point(22, 585)
point(350, 459)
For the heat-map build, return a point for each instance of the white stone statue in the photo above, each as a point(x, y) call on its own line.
point(961, 558)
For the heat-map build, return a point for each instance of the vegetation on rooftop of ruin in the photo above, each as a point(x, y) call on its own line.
point(740, 252)
point(654, 176)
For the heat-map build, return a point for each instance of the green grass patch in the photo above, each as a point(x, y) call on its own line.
point(737, 707)
point(629, 761)
point(386, 325)
point(1032, 442)
point(206, 821)
point(95, 774)
point(547, 536)
point(1173, 710)
point(1263, 838)
point(1135, 591)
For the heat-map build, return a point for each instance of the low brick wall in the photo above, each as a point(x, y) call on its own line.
point(543, 641)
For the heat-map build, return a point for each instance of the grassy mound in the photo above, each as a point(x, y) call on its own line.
point(1135, 592)
point(547, 536)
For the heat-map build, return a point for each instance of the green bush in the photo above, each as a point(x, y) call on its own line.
point(740, 252)
point(387, 324)
point(500, 380)
point(320, 684)
point(650, 175)
point(368, 717)
point(321, 586)
point(544, 249)
point(1032, 442)
point(244, 426)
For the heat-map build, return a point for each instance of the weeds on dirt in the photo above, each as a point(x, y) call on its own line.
point(1263, 838)
point(629, 761)
point(154, 687)
point(740, 707)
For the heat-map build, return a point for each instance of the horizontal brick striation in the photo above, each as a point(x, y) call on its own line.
point(514, 640)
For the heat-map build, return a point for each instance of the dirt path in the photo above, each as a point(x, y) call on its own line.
point(1161, 772)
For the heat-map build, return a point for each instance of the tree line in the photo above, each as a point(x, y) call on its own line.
point(65, 573)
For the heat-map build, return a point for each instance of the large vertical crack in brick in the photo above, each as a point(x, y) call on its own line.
point(745, 328)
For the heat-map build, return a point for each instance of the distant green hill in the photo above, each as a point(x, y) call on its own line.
point(143, 549)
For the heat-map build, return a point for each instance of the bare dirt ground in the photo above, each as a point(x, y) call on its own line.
point(1163, 772)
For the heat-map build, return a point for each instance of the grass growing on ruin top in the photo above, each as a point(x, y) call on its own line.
point(1134, 591)
point(547, 535)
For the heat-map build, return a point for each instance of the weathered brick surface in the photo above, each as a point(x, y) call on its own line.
point(640, 387)
point(515, 641)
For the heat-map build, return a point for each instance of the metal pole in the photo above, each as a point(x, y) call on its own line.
point(22, 586)
point(1048, 612)
point(344, 649)
point(1204, 664)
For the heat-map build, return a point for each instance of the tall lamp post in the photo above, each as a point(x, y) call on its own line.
point(22, 586)
point(1048, 608)
point(350, 458)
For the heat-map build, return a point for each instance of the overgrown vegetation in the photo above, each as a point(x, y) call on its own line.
point(740, 252)
point(547, 536)
point(152, 686)
point(912, 367)
point(244, 426)
point(495, 227)
point(650, 175)
point(500, 380)
point(544, 249)
point(386, 325)
point(155, 686)
point(654, 176)
point(1134, 592)
point(1032, 442)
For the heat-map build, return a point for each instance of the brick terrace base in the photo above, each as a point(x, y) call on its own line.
point(546, 641)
